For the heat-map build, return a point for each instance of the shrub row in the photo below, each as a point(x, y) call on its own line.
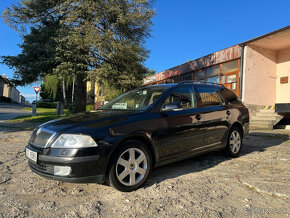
point(46, 104)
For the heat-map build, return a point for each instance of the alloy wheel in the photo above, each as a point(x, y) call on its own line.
point(131, 166)
point(235, 142)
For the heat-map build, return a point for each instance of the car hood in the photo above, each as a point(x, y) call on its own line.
point(89, 120)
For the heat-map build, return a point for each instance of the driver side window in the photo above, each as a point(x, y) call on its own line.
point(183, 95)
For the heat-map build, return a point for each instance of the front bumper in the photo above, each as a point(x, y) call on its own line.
point(84, 179)
point(84, 169)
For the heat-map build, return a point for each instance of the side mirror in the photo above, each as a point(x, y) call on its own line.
point(174, 106)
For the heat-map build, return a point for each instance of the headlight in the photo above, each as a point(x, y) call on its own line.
point(74, 141)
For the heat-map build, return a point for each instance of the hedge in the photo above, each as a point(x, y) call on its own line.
point(46, 104)
point(90, 107)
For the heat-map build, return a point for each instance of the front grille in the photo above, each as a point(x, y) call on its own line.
point(41, 137)
point(48, 169)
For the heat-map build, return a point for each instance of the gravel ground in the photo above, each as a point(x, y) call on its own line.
point(257, 183)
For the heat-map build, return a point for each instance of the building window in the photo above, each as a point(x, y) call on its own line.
point(177, 79)
point(234, 86)
point(230, 66)
point(213, 79)
point(212, 71)
point(199, 75)
point(223, 79)
point(232, 78)
point(187, 77)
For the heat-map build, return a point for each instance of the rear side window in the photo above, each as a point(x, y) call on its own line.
point(206, 96)
point(229, 96)
point(182, 95)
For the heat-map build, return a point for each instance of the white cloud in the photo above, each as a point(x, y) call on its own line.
point(29, 95)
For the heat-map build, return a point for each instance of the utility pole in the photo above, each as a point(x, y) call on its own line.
point(34, 106)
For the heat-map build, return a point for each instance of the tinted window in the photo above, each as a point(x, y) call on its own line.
point(206, 96)
point(183, 95)
point(230, 96)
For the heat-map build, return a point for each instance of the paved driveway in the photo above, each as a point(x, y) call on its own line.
point(9, 111)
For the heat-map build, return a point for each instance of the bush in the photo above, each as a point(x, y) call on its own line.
point(90, 107)
point(46, 104)
point(5, 99)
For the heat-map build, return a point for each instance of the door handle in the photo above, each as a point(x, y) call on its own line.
point(198, 117)
point(228, 113)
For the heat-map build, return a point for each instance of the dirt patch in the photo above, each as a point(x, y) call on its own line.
point(256, 183)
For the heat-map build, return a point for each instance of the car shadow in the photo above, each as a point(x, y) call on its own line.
point(253, 142)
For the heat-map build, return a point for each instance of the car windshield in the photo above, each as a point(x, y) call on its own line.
point(137, 99)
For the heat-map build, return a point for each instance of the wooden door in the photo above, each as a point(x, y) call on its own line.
point(231, 81)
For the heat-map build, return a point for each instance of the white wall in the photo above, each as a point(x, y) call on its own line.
point(283, 69)
point(259, 78)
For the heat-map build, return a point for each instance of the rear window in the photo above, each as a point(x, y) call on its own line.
point(230, 96)
point(206, 96)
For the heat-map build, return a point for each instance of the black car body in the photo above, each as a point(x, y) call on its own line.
point(170, 131)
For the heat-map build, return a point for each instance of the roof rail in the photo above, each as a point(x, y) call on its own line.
point(200, 82)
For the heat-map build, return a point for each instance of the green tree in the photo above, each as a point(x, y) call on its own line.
point(148, 73)
point(45, 94)
point(101, 40)
point(37, 58)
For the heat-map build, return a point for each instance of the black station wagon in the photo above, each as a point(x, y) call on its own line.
point(125, 139)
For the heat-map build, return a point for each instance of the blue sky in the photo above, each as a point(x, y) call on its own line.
point(184, 30)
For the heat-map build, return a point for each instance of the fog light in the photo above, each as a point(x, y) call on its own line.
point(61, 171)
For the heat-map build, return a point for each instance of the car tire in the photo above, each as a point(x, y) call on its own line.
point(130, 167)
point(234, 142)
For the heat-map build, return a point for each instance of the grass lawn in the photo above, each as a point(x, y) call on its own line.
point(42, 115)
point(39, 109)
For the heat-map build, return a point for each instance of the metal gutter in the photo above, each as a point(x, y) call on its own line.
point(241, 70)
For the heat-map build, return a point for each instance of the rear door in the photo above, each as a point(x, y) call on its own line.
point(180, 131)
point(214, 112)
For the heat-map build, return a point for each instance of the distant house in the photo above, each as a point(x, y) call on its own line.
point(96, 93)
point(21, 99)
point(1, 85)
point(8, 90)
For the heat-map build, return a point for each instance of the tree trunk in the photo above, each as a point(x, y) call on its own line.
point(73, 89)
point(80, 93)
point(63, 91)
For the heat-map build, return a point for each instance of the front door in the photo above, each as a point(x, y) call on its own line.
point(180, 131)
point(215, 114)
